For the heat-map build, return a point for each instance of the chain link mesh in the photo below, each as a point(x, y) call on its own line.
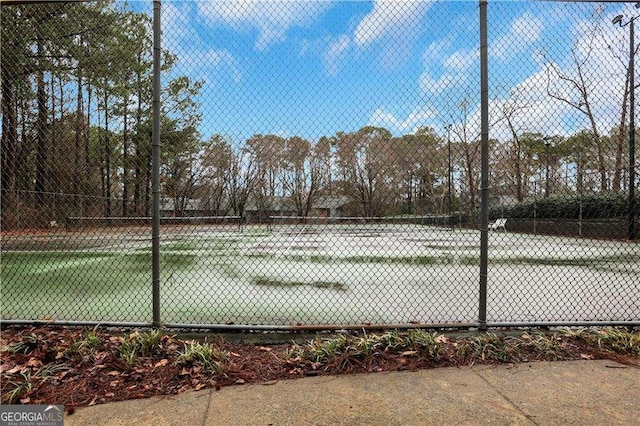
point(320, 163)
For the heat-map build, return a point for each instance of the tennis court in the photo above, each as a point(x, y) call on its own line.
point(318, 273)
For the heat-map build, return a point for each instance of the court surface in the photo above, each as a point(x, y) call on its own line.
point(285, 274)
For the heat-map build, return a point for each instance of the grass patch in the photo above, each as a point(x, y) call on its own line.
point(614, 339)
point(18, 387)
point(27, 380)
point(486, 348)
point(339, 349)
point(28, 344)
point(206, 356)
point(85, 348)
point(139, 344)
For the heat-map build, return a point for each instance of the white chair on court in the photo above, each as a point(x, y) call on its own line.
point(498, 225)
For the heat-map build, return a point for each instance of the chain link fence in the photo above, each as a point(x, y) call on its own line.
point(320, 164)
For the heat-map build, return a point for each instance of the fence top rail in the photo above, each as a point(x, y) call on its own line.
point(133, 218)
point(360, 217)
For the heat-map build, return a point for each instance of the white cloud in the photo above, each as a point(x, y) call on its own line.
point(531, 109)
point(430, 84)
point(393, 26)
point(176, 30)
point(456, 68)
point(417, 118)
point(223, 59)
point(602, 51)
point(461, 59)
point(523, 32)
point(335, 55)
point(434, 52)
point(272, 19)
point(390, 16)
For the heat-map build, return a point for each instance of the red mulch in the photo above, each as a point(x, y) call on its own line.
point(102, 376)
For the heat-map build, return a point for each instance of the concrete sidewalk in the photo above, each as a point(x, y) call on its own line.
point(573, 392)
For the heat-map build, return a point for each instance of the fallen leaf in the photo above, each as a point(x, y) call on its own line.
point(131, 387)
point(34, 362)
point(200, 386)
point(185, 371)
point(4, 368)
point(93, 401)
point(234, 354)
point(408, 353)
point(161, 363)
point(586, 356)
point(196, 369)
point(114, 383)
point(264, 348)
point(240, 382)
point(109, 394)
point(442, 339)
point(113, 373)
point(25, 400)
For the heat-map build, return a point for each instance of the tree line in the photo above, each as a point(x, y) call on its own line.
point(76, 84)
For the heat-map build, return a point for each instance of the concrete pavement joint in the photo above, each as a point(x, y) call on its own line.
point(206, 411)
point(505, 397)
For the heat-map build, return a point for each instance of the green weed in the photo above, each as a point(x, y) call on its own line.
point(26, 381)
point(424, 341)
point(211, 358)
point(486, 347)
point(614, 339)
point(28, 344)
point(542, 345)
point(20, 387)
point(140, 345)
point(86, 347)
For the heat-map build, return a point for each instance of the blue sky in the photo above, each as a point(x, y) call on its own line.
point(312, 68)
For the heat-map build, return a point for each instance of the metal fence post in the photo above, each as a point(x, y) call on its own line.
point(155, 179)
point(632, 134)
point(484, 180)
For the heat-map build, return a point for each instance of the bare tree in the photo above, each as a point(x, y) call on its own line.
point(510, 110)
point(575, 88)
point(243, 180)
point(305, 173)
point(217, 162)
point(362, 158)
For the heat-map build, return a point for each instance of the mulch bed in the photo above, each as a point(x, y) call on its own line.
point(51, 369)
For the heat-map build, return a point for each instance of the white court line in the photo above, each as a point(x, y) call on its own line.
point(278, 255)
